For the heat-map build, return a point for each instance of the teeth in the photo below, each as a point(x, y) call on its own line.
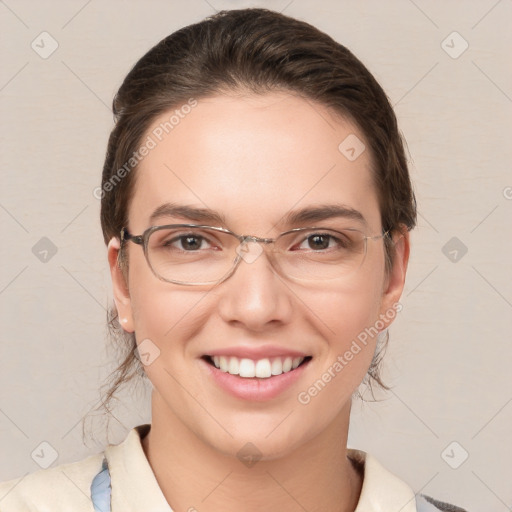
point(296, 362)
point(262, 368)
point(234, 366)
point(223, 363)
point(277, 367)
point(247, 368)
point(287, 365)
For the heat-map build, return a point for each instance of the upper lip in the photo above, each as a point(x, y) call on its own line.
point(256, 353)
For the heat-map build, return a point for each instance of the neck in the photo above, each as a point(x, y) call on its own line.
point(194, 476)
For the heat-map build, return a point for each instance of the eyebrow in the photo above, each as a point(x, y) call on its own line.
point(303, 216)
point(187, 212)
point(322, 212)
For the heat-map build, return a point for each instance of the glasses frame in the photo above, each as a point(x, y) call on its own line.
point(143, 239)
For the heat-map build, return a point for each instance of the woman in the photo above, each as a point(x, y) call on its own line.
point(256, 205)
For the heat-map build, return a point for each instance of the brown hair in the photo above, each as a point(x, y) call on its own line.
point(256, 50)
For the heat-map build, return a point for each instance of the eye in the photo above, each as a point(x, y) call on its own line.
point(185, 241)
point(188, 242)
point(323, 241)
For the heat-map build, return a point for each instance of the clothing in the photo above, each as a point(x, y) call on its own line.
point(121, 480)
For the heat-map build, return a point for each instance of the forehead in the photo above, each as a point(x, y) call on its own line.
point(253, 158)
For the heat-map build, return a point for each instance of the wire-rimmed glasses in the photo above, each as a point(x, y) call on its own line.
point(192, 254)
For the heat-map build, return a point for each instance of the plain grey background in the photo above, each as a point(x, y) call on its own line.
point(445, 426)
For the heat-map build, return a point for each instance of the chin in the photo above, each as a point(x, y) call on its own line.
point(262, 444)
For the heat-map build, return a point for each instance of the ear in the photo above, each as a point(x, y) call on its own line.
point(120, 287)
point(395, 280)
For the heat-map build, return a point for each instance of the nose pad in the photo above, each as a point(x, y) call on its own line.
point(249, 251)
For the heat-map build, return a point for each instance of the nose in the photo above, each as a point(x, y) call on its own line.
point(255, 296)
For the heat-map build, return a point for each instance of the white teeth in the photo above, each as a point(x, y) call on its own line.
point(234, 366)
point(296, 362)
point(277, 367)
point(262, 368)
point(247, 368)
point(287, 364)
point(224, 363)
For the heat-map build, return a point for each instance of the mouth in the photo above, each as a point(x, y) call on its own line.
point(263, 368)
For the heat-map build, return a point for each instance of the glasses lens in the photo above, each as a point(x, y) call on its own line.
point(191, 255)
point(317, 254)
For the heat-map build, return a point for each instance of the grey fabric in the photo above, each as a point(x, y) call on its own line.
point(427, 504)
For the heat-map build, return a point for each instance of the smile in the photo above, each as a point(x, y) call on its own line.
point(261, 368)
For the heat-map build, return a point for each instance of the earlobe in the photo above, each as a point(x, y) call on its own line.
point(120, 287)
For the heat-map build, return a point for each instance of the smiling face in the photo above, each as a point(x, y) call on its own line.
point(252, 162)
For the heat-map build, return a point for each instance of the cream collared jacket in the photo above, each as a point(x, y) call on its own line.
point(121, 480)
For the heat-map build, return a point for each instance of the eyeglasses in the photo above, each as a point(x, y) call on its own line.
point(191, 254)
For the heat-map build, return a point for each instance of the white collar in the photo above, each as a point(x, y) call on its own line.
point(382, 490)
point(134, 486)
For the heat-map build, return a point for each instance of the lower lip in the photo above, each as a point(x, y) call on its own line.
point(255, 389)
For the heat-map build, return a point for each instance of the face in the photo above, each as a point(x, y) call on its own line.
point(254, 160)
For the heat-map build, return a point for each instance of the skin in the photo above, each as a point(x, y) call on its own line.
point(253, 158)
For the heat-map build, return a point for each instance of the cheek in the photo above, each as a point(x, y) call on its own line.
point(166, 324)
point(346, 318)
point(345, 311)
point(351, 339)
point(161, 310)
point(165, 313)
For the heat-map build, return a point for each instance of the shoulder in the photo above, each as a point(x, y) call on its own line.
point(62, 488)
point(382, 490)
